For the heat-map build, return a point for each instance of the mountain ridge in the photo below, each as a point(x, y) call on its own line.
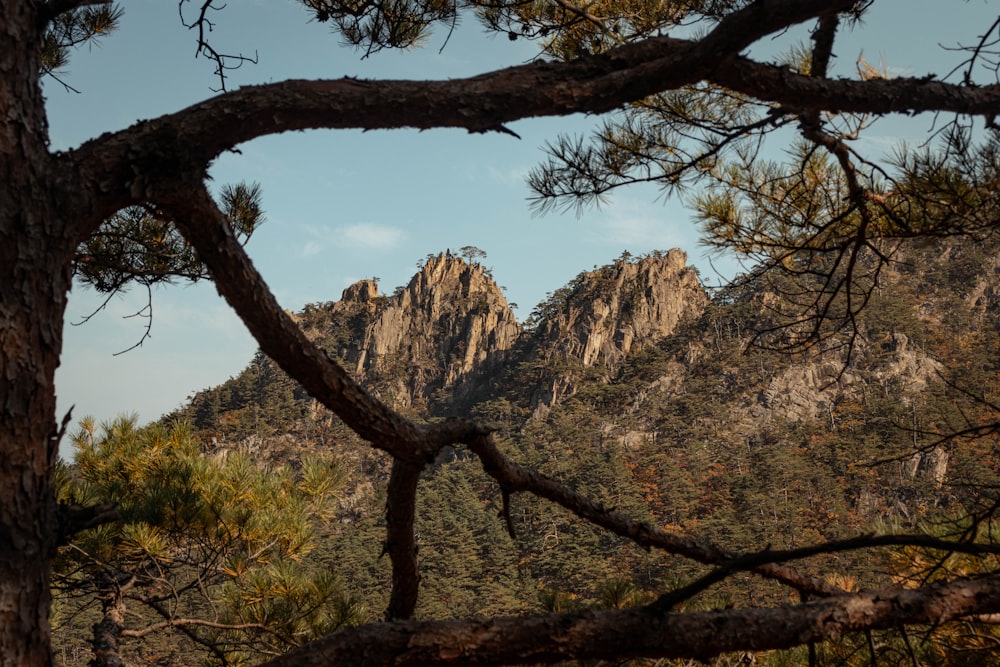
point(640, 389)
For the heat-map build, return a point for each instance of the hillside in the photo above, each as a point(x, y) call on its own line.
point(641, 389)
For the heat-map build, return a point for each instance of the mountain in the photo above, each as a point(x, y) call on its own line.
point(639, 387)
point(448, 340)
point(449, 328)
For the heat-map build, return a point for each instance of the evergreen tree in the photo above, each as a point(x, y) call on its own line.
point(212, 550)
point(697, 96)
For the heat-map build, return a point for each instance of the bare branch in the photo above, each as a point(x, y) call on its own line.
point(224, 62)
point(179, 622)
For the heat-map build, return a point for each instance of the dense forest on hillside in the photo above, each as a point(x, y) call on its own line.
point(699, 412)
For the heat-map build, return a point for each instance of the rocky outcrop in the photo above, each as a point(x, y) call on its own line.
point(607, 314)
point(449, 338)
point(620, 308)
point(448, 327)
point(805, 390)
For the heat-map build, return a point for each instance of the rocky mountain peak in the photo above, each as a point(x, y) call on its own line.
point(449, 338)
point(362, 291)
point(610, 311)
point(450, 324)
point(604, 315)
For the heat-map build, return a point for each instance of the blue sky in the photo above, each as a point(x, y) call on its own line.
point(346, 205)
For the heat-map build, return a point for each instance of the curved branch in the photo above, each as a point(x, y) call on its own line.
point(125, 166)
point(513, 477)
point(643, 631)
point(205, 227)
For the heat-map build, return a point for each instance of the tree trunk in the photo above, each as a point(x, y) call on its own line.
point(34, 280)
point(108, 630)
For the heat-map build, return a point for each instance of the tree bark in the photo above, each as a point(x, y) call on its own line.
point(34, 280)
point(108, 630)
point(640, 631)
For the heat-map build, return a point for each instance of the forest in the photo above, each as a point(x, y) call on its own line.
point(694, 431)
point(797, 468)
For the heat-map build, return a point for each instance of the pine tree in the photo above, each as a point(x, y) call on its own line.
point(211, 550)
point(697, 98)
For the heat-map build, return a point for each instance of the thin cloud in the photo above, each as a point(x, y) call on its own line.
point(370, 235)
point(312, 248)
point(512, 177)
point(631, 227)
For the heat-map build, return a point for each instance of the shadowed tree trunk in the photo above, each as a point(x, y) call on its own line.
point(35, 275)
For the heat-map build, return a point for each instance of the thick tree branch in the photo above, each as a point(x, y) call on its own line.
point(643, 631)
point(513, 477)
point(74, 518)
point(204, 225)
point(823, 37)
point(401, 544)
point(125, 166)
point(874, 96)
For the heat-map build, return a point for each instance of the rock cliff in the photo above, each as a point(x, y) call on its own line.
point(607, 314)
point(449, 336)
point(447, 328)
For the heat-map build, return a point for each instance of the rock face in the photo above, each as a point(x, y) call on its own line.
point(612, 311)
point(447, 327)
point(450, 332)
point(605, 315)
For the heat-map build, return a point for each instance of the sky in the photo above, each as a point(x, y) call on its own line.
point(346, 205)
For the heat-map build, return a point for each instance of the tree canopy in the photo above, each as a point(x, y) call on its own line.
point(690, 97)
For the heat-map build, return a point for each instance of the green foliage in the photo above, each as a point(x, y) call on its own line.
point(139, 246)
point(216, 548)
point(73, 28)
point(469, 564)
point(379, 25)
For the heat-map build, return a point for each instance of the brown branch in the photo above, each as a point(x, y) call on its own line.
point(823, 37)
point(125, 166)
point(401, 544)
point(874, 96)
point(72, 519)
point(188, 630)
point(179, 622)
point(205, 227)
point(513, 477)
point(643, 631)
